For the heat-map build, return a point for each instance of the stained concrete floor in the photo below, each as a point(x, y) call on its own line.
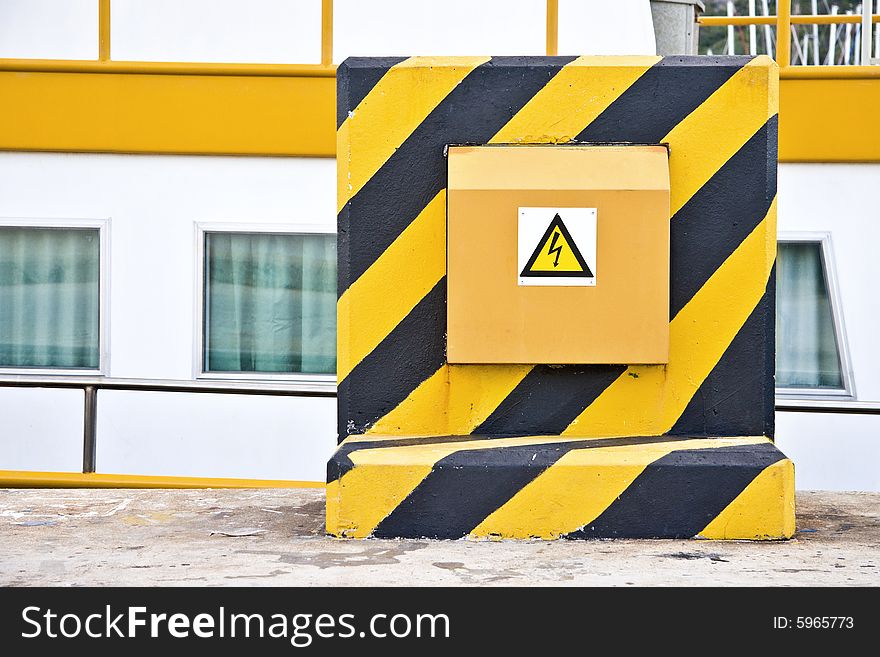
point(275, 537)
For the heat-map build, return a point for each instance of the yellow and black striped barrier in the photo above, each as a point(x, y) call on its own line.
point(545, 487)
point(395, 119)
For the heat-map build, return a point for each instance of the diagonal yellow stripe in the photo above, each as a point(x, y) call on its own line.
point(579, 487)
point(453, 401)
point(389, 113)
point(572, 99)
point(647, 400)
point(711, 134)
point(384, 294)
point(755, 513)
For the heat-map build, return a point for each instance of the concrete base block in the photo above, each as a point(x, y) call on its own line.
point(547, 487)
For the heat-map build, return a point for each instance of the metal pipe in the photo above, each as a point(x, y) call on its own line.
point(783, 33)
point(292, 388)
point(90, 428)
point(866, 32)
point(166, 68)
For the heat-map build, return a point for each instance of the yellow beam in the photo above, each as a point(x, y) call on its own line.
point(829, 72)
point(27, 479)
point(168, 113)
point(802, 19)
point(104, 30)
point(288, 110)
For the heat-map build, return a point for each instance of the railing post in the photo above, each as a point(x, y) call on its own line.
point(552, 27)
point(104, 30)
point(327, 32)
point(90, 426)
point(783, 33)
point(867, 31)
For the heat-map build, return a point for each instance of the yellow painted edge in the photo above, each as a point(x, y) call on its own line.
point(28, 479)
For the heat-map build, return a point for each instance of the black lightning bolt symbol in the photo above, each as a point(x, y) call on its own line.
point(555, 249)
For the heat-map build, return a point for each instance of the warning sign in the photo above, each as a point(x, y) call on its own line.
point(557, 246)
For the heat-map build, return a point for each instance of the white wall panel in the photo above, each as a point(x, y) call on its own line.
point(831, 451)
point(49, 29)
point(450, 27)
point(41, 429)
point(257, 31)
point(841, 199)
point(208, 435)
point(153, 203)
point(623, 27)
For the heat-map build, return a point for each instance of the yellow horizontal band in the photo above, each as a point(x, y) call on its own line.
point(28, 479)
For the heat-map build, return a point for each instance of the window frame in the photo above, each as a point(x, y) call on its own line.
point(103, 228)
point(829, 270)
point(297, 379)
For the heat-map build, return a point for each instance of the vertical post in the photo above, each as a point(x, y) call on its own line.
point(104, 30)
point(768, 39)
point(783, 33)
point(847, 41)
point(731, 47)
point(815, 34)
point(832, 38)
point(552, 27)
point(753, 30)
point(327, 32)
point(90, 426)
point(866, 31)
point(877, 32)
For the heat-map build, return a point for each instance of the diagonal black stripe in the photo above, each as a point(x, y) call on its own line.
point(351, 89)
point(661, 98)
point(411, 353)
point(464, 488)
point(472, 113)
point(548, 399)
point(736, 399)
point(678, 495)
point(722, 213)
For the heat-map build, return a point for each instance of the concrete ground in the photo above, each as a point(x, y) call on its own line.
point(275, 537)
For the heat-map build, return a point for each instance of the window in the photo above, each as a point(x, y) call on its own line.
point(810, 347)
point(50, 295)
point(269, 306)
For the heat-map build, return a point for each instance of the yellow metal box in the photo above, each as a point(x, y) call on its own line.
point(558, 254)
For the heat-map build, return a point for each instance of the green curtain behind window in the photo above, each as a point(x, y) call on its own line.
point(270, 303)
point(49, 297)
point(806, 346)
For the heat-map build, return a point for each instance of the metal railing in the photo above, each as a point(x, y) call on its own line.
point(91, 385)
point(784, 22)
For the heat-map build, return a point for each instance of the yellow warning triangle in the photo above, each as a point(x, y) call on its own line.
point(556, 254)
